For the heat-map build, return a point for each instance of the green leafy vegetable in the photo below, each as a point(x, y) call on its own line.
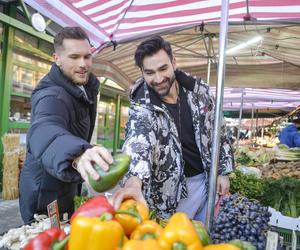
point(283, 195)
point(247, 185)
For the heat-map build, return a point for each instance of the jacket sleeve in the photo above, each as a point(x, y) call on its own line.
point(226, 160)
point(139, 144)
point(50, 141)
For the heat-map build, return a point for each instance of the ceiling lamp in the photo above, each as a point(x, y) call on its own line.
point(244, 45)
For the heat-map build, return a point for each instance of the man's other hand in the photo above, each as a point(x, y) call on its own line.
point(223, 185)
point(95, 155)
point(132, 189)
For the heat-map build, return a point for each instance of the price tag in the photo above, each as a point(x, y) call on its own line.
point(53, 214)
point(272, 240)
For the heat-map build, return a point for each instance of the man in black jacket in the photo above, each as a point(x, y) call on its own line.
point(64, 104)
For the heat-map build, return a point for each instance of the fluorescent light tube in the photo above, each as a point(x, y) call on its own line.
point(244, 45)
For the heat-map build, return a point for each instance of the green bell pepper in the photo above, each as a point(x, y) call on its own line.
point(110, 178)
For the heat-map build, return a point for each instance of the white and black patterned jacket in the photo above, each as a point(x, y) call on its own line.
point(153, 144)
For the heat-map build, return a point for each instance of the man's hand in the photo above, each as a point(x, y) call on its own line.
point(95, 155)
point(132, 189)
point(223, 185)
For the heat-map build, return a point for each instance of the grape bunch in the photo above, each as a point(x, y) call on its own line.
point(240, 218)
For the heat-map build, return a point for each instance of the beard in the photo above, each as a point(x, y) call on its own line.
point(74, 79)
point(162, 92)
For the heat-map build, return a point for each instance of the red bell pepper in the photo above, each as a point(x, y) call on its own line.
point(94, 207)
point(51, 239)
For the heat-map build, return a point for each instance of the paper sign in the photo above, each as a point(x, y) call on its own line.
point(53, 214)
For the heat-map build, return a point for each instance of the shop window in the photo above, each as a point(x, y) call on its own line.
point(20, 109)
point(124, 119)
point(25, 59)
point(20, 17)
point(106, 123)
point(28, 70)
point(21, 131)
point(23, 80)
point(22, 37)
point(46, 47)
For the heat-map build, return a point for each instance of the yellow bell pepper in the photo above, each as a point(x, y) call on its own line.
point(148, 229)
point(179, 234)
point(147, 244)
point(130, 214)
point(91, 233)
point(221, 246)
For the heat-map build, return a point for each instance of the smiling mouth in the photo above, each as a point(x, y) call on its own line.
point(82, 73)
point(160, 85)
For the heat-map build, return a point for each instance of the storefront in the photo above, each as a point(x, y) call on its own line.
point(26, 56)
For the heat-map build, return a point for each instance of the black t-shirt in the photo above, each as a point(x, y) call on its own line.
point(191, 155)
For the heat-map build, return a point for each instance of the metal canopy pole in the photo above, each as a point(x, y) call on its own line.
point(240, 119)
point(209, 60)
point(218, 115)
point(252, 117)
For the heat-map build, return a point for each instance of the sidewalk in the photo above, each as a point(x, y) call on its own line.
point(10, 215)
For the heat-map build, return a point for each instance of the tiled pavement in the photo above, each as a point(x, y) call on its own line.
point(9, 215)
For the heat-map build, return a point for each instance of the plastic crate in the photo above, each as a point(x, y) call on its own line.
point(282, 221)
point(287, 236)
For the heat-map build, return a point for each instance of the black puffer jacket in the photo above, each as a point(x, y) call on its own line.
point(62, 124)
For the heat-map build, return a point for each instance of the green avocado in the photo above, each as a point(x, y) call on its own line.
point(110, 178)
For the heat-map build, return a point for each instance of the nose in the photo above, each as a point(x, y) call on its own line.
point(158, 78)
point(82, 62)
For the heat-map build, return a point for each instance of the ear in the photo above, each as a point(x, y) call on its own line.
point(56, 59)
point(174, 63)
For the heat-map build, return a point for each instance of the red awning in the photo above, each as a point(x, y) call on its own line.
point(120, 20)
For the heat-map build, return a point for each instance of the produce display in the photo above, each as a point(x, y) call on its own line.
point(240, 218)
point(260, 181)
point(283, 152)
point(282, 194)
point(127, 228)
point(249, 156)
point(280, 169)
point(267, 141)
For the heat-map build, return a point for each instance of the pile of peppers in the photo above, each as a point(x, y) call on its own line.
point(96, 225)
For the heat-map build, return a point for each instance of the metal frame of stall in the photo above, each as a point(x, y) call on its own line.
point(218, 114)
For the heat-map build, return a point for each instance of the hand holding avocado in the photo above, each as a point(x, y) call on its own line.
point(108, 179)
point(96, 155)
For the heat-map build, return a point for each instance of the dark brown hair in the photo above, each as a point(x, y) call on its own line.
point(69, 33)
point(151, 46)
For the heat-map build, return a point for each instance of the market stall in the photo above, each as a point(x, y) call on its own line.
point(245, 212)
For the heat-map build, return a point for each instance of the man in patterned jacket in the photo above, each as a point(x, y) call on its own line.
point(169, 137)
